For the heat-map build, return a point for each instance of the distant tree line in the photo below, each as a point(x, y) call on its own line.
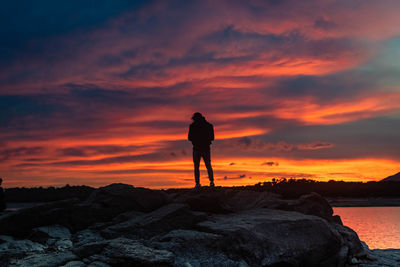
point(46, 194)
point(293, 188)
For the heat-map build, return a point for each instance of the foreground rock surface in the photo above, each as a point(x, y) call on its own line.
point(384, 257)
point(120, 225)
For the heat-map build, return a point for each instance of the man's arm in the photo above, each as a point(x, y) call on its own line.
point(190, 134)
point(212, 133)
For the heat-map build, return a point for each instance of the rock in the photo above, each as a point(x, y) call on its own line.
point(126, 251)
point(191, 236)
point(89, 249)
point(63, 244)
point(270, 237)
point(50, 234)
point(193, 248)
point(205, 200)
point(11, 246)
point(99, 258)
point(122, 198)
point(164, 219)
point(312, 204)
point(245, 199)
point(98, 264)
point(53, 259)
point(337, 219)
point(103, 204)
point(75, 264)
point(383, 257)
point(55, 231)
point(86, 236)
point(123, 251)
point(11, 249)
point(351, 240)
point(20, 223)
point(343, 252)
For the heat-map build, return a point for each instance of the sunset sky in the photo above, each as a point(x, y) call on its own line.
point(97, 92)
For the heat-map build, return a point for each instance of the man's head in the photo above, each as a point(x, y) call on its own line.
point(197, 116)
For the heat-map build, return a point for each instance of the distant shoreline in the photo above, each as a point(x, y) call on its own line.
point(363, 202)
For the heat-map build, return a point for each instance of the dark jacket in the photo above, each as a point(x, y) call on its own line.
point(201, 133)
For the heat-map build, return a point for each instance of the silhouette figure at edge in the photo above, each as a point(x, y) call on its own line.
point(2, 199)
point(201, 134)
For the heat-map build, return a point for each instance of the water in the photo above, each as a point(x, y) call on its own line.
point(379, 227)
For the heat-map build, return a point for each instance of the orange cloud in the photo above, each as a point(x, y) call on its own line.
point(311, 112)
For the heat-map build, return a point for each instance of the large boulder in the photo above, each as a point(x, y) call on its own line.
point(123, 197)
point(312, 204)
point(21, 222)
point(266, 237)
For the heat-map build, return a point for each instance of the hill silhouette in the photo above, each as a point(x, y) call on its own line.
point(393, 178)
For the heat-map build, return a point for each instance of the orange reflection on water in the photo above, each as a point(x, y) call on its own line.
point(379, 227)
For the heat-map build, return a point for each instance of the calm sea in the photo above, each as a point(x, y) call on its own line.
point(379, 227)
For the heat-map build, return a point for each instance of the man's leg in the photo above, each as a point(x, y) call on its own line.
point(196, 161)
point(207, 161)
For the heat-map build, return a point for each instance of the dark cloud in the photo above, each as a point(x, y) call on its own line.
point(149, 157)
point(324, 24)
point(86, 151)
point(241, 176)
point(143, 171)
point(246, 141)
point(346, 84)
point(26, 21)
point(289, 175)
point(73, 152)
point(270, 163)
point(258, 144)
point(368, 138)
point(72, 113)
point(10, 153)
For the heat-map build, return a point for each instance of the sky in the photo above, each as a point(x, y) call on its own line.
point(100, 92)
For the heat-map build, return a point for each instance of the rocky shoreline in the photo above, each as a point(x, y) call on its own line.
point(120, 225)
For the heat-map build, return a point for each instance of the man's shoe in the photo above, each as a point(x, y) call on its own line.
point(212, 184)
point(197, 186)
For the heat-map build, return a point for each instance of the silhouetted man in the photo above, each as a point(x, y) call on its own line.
point(201, 134)
point(2, 200)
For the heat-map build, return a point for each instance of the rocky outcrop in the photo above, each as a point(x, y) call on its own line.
point(21, 222)
point(102, 205)
point(120, 225)
point(265, 237)
point(383, 257)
